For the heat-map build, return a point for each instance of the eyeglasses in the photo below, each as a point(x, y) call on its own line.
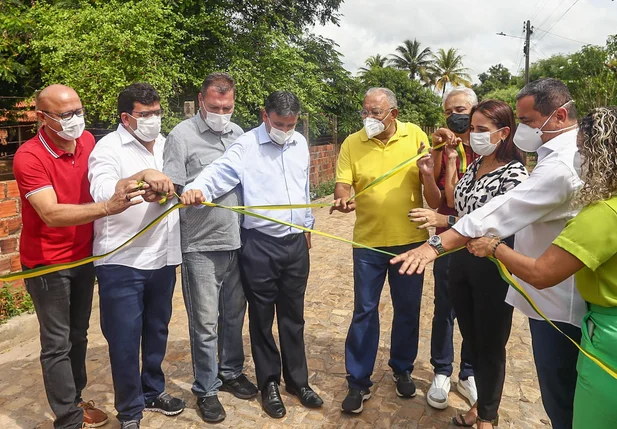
point(67, 115)
point(375, 113)
point(147, 113)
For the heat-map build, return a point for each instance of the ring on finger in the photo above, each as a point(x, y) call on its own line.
point(127, 197)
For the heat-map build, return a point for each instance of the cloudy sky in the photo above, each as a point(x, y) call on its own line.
point(370, 27)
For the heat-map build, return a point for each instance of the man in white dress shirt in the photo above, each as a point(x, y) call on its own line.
point(536, 211)
point(136, 283)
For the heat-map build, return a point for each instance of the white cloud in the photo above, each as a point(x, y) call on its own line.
point(378, 27)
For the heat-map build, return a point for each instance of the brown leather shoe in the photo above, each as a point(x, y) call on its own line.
point(93, 417)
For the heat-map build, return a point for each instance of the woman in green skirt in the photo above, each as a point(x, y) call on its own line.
point(588, 247)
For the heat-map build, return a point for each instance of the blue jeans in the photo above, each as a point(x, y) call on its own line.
point(370, 270)
point(442, 349)
point(135, 313)
point(215, 304)
point(555, 357)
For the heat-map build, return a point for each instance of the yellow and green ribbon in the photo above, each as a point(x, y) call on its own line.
point(460, 149)
point(247, 210)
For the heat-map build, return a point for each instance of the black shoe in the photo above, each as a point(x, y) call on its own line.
point(271, 401)
point(307, 396)
point(405, 387)
point(240, 387)
point(129, 424)
point(211, 409)
point(354, 400)
point(165, 404)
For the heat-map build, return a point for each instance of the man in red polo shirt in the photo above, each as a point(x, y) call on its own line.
point(51, 170)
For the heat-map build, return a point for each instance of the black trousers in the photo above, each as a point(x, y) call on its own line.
point(274, 275)
point(63, 303)
point(478, 296)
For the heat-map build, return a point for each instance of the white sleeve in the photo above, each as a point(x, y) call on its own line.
point(103, 172)
point(549, 186)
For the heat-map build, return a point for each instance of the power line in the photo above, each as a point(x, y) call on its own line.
point(519, 48)
point(563, 37)
point(560, 18)
point(540, 7)
point(552, 13)
point(539, 51)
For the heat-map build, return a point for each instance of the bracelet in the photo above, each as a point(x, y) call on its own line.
point(499, 241)
point(490, 243)
point(106, 209)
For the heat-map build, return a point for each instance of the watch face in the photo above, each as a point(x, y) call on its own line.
point(434, 240)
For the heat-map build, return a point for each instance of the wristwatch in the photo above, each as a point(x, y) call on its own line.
point(435, 242)
point(451, 220)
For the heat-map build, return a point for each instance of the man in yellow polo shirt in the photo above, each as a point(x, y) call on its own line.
point(381, 221)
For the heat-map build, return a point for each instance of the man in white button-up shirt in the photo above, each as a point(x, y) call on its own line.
point(536, 211)
point(136, 283)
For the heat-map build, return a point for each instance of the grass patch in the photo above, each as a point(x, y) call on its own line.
point(322, 190)
point(14, 301)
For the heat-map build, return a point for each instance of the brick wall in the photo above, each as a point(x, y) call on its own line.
point(323, 162)
point(10, 228)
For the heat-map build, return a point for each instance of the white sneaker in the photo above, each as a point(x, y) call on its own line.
point(437, 396)
point(467, 388)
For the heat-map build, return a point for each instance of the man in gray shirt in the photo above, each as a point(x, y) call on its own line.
point(210, 245)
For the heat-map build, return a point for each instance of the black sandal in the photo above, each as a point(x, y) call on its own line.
point(457, 423)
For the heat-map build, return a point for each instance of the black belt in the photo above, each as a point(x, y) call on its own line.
point(261, 235)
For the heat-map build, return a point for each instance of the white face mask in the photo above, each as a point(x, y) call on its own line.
point(374, 127)
point(481, 143)
point(530, 139)
point(279, 136)
point(216, 122)
point(148, 129)
point(71, 128)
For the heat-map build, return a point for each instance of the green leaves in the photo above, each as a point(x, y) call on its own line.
point(589, 74)
point(100, 49)
point(416, 103)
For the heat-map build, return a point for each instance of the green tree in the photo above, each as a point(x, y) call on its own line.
point(373, 62)
point(100, 49)
point(507, 94)
point(447, 69)
point(587, 73)
point(497, 77)
point(412, 58)
point(416, 103)
point(343, 92)
point(18, 66)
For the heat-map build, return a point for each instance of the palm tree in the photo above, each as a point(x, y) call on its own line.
point(412, 58)
point(447, 68)
point(373, 62)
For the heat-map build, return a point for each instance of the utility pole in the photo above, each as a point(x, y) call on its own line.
point(526, 50)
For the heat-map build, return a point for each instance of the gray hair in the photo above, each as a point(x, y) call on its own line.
point(283, 103)
point(472, 98)
point(385, 91)
point(548, 95)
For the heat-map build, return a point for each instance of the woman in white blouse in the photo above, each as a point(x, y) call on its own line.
point(476, 288)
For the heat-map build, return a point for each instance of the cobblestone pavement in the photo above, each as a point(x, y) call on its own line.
point(329, 304)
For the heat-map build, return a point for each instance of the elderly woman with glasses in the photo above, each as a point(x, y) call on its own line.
point(587, 248)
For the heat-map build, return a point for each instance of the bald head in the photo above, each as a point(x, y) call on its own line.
point(52, 103)
point(58, 99)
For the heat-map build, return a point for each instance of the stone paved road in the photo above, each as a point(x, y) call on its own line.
point(329, 303)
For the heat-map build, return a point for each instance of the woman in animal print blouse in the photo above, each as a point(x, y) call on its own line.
point(476, 288)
